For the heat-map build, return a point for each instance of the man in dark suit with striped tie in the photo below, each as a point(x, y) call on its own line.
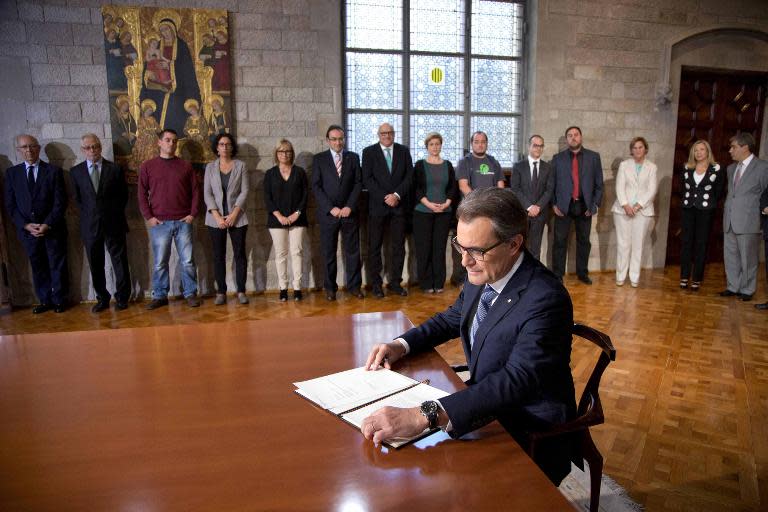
point(101, 195)
point(532, 184)
point(388, 177)
point(36, 201)
point(336, 183)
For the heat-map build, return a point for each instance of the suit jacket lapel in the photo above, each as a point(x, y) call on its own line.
point(42, 174)
point(505, 302)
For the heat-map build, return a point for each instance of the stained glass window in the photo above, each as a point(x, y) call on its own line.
point(448, 126)
point(374, 81)
point(375, 24)
point(503, 133)
point(426, 70)
point(495, 85)
point(437, 83)
point(437, 25)
point(497, 28)
point(363, 129)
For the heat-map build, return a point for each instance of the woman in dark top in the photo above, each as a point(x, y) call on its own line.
point(225, 189)
point(285, 197)
point(435, 191)
point(703, 184)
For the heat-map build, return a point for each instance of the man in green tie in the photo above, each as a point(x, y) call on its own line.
point(388, 176)
point(101, 195)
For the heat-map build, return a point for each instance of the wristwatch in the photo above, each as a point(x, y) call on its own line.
point(429, 409)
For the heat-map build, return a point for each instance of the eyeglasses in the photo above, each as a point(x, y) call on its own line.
point(387, 133)
point(285, 151)
point(336, 139)
point(27, 147)
point(225, 144)
point(92, 147)
point(474, 252)
point(538, 146)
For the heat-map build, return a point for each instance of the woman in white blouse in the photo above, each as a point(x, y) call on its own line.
point(633, 211)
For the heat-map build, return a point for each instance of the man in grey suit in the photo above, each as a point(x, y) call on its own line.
point(578, 177)
point(532, 184)
point(747, 180)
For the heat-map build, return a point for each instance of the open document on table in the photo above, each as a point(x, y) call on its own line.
point(354, 394)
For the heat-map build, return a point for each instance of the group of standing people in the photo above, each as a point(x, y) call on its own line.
point(428, 193)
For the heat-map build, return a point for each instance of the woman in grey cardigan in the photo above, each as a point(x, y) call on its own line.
point(226, 190)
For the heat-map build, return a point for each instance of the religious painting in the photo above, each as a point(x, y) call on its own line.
point(166, 68)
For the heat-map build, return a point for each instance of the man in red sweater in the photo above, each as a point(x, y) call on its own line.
point(169, 199)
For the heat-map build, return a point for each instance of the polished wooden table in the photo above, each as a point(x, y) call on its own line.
point(204, 417)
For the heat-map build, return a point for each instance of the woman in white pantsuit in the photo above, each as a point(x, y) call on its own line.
point(633, 211)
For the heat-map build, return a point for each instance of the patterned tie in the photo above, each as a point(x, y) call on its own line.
point(338, 164)
point(482, 311)
point(95, 177)
point(388, 157)
point(737, 175)
point(31, 177)
point(535, 178)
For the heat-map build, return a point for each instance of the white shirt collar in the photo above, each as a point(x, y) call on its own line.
point(333, 154)
point(27, 165)
point(745, 163)
point(96, 162)
point(385, 148)
point(499, 285)
point(531, 161)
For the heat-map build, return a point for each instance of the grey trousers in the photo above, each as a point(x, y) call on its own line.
point(741, 254)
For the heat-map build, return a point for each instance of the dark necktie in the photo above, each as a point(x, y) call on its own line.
point(31, 177)
point(535, 179)
point(482, 311)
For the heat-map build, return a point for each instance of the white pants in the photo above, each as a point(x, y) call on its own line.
point(289, 239)
point(631, 233)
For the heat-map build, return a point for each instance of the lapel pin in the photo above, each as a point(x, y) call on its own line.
point(509, 300)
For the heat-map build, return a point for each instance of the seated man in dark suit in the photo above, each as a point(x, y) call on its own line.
point(336, 183)
point(102, 194)
point(514, 318)
point(36, 201)
point(388, 176)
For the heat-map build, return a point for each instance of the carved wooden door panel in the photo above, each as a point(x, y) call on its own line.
point(714, 105)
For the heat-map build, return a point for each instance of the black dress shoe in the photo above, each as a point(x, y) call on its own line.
point(157, 303)
point(585, 279)
point(120, 306)
point(330, 295)
point(357, 293)
point(398, 290)
point(728, 293)
point(42, 308)
point(762, 306)
point(59, 308)
point(378, 292)
point(745, 297)
point(100, 306)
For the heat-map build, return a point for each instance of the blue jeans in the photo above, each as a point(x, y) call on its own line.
point(161, 236)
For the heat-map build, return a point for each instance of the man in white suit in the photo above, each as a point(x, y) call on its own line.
point(747, 179)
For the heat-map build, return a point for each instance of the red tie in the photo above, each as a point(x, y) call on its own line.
point(575, 175)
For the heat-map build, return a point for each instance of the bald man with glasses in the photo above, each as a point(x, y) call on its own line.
point(36, 200)
point(101, 195)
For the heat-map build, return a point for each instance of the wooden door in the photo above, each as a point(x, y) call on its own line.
point(714, 105)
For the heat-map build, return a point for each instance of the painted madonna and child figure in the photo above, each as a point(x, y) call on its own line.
point(166, 68)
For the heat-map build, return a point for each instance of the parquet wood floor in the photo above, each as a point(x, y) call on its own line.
point(686, 401)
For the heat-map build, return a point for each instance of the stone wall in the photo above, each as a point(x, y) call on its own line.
point(286, 83)
point(595, 63)
point(603, 65)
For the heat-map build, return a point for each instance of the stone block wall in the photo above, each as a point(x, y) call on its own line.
point(603, 65)
point(286, 83)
